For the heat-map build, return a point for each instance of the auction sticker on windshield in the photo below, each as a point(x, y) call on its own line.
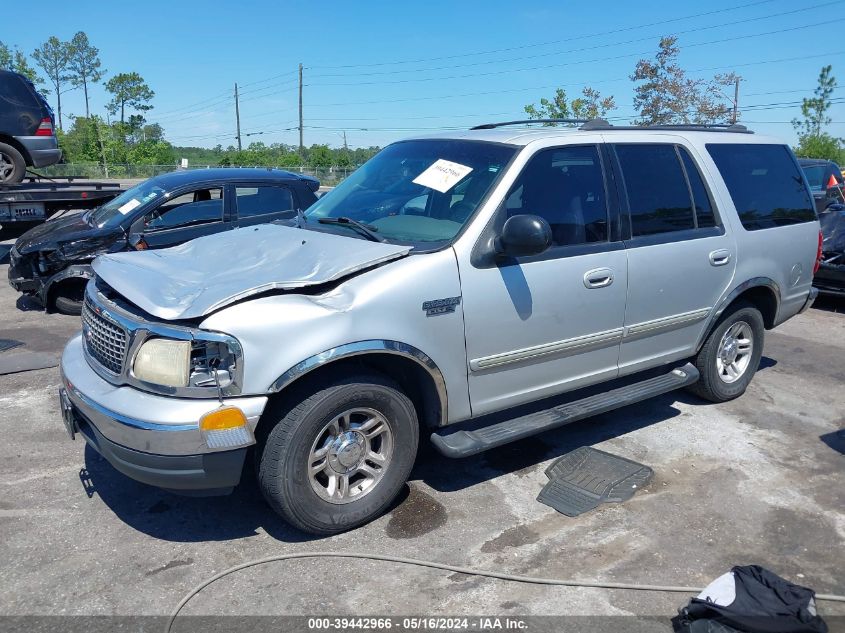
point(442, 175)
point(126, 208)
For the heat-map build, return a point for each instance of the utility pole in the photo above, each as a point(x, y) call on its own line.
point(238, 117)
point(345, 146)
point(301, 147)
point(735, 115)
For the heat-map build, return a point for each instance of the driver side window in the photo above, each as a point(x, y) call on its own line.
point(564, 186)
point(201, 206)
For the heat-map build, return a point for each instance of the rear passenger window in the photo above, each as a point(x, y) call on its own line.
point(14, 90)
point(700, 198)
point(565, 186)
point(658, 196)
point(253, 201)
point(765, 184)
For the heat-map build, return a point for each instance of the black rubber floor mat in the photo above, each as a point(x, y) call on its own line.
point(8, 343)
point(582, 479)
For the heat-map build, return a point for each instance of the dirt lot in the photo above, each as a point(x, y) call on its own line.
point(758, 480)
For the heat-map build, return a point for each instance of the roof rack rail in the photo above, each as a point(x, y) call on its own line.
point(602, 124)
point(598, 124)
point(490, 126)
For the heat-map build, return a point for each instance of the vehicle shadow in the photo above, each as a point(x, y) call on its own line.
point(449, 475)
point(4, 253)
point(176, 518)
point(835, 440)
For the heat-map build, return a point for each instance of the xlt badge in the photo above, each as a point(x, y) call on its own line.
point(440, 306)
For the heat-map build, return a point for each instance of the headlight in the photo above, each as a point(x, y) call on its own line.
point(164, 362)
point(207, 364)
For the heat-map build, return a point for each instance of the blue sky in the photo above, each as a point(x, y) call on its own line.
point(385, 70)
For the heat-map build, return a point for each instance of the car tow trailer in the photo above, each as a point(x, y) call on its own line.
point(37, 198)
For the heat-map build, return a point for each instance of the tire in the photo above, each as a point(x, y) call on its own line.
point(722, 380)
point(12, 165)
point(66, 305)
point(68, 298)
point(321, 428)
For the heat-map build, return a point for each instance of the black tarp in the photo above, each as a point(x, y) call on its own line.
point(751, 599)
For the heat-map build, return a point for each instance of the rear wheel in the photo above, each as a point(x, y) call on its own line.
point(12, 165)
point(338, 457)
point(730, 355)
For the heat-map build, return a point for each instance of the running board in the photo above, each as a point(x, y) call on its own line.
point(465, 443)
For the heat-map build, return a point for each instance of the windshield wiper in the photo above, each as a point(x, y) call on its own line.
point(365, 229)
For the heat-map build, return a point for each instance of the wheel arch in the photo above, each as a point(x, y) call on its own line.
point(414, 370)
point(82, 273)
point(11, 140)
point(762, 292)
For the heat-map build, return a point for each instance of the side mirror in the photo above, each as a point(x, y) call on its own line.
point(136, 241)
point(524, 235)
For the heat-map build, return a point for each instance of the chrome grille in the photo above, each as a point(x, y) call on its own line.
point(105, 340)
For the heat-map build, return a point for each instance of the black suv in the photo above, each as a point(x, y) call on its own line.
point(52, 262)
point(27, 136)
point(825, 180)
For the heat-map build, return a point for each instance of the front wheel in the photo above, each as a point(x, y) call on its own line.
point(730, 354)
point(69, 296)
point(337, 458)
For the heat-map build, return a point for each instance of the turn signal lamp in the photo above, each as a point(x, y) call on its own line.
point(226, 427)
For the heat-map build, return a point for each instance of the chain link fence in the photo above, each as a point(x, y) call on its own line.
point(326, 175)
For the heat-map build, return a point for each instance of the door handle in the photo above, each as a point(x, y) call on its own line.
point(598, 278)
point(720, 257)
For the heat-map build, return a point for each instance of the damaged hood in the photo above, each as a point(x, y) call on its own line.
point(206, 274)
point(54, 234)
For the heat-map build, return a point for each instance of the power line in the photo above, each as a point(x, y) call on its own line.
point(553, 86)
point(537, 44)
point(583, 49)
point(576, 63)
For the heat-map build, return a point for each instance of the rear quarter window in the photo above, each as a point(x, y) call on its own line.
point(766, 185)
point(14, 90)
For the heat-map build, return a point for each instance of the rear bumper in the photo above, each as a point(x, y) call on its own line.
point(42, 150)
point(814, 292)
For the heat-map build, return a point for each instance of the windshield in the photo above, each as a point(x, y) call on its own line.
point(416, 191)
point(112, 213)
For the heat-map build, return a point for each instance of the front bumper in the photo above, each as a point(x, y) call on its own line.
point(43, 150)
point(21, 276)
point(151, 438)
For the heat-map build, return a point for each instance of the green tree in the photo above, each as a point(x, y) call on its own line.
point(152, 152)
point(665, 95)
point(80, 143)
point(17, 62)
point(53, 56)
point(590, 105)
point(319, 156)
point(84, 64)
point(129, 89)
point(813, 140)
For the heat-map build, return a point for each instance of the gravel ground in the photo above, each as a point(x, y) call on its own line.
point(757, 480)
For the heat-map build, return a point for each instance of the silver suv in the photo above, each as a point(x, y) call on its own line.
point(448, 281)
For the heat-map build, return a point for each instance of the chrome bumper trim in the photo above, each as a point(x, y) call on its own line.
point(170, 425)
